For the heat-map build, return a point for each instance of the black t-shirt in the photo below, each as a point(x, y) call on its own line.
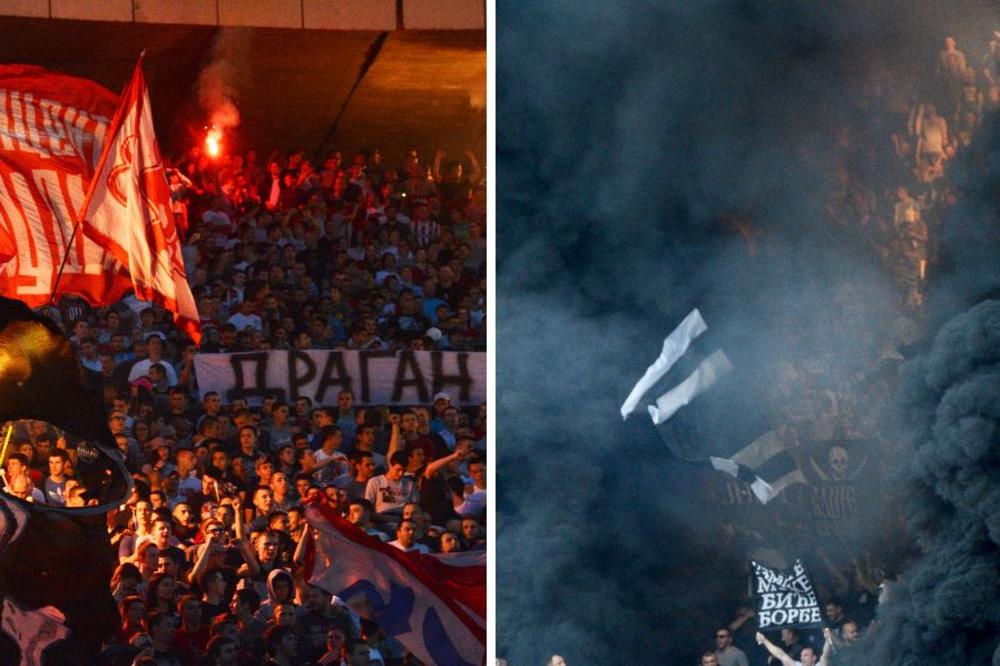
point(211, 611)
point(454, 193)
point(169, 657)
point(313, 627)
point(435, 497)
point(408, 326)
point(72, 308)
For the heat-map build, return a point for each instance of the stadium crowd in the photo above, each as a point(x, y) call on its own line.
point(892, 192)
point(211, 545)
point(891, 187)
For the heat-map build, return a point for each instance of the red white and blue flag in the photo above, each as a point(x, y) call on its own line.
point(435, 605)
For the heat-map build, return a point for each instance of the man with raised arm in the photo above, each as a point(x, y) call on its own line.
point(808, 656)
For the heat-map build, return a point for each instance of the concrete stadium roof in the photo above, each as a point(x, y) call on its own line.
point(422, 88)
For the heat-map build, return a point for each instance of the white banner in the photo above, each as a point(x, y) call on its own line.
point(375, 378)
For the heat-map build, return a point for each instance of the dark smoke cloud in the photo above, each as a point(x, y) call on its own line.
point(946, 604)
point(654, 157)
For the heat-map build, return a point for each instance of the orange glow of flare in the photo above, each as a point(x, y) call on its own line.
point(213, 142)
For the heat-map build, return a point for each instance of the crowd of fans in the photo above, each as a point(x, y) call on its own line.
point(894, 144)
point(892, 191)
point(360, 256)
point(891, 178)
point(211, 544)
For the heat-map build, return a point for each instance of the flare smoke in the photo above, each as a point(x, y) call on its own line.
point(218, 82)
point(629, 133)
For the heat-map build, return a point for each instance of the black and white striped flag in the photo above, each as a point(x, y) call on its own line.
point(764, 464)
point(674, 347)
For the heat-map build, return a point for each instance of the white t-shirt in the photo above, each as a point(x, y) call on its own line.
point(731, 656)
point(339, 466)
point(386, 495)
point(474, 504)
point(141, 369)
point(242, 321)
point(418, 547)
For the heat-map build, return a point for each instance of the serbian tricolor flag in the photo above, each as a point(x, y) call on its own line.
point(127, 209)
point(435, 605)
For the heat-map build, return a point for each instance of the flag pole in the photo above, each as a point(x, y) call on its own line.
point(79, 217)
point(62, 266)
point(6, 441)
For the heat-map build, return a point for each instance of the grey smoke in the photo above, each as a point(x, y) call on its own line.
point(218, 83)
point(634, 140)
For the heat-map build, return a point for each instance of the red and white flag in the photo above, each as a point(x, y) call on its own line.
point(52, 128)
point(128, 212)
point(434, 605)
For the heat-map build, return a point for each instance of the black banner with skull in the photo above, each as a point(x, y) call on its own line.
point(840, 478)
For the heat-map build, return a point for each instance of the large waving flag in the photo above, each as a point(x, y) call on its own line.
point(433, 605)
point(674, 347)
point(127, 209)
point(764, 463)
point(52, 129)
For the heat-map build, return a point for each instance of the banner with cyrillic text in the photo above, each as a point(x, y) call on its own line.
point(375, 378)
point(785, 598)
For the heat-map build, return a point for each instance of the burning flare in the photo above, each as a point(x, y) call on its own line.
point(213, 141)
